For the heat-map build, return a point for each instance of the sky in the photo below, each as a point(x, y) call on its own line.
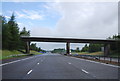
point(85, 20)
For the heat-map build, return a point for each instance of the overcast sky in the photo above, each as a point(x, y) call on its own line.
point(94, 20)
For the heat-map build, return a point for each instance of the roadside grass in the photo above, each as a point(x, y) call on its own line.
point(5, 54)
point(81, 53)
point(115, 55)
point(96, 54)
point(34, 52)
point(8, 54)
point(87, 53)
point(0, 54)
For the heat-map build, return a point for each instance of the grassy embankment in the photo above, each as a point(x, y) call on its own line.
point(87, 53)
point(4, 54)
point(96, 54)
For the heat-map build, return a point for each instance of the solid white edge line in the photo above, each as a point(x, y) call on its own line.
point(29, 72)
point(9, 62)
point(14, 61)
point(85, 71)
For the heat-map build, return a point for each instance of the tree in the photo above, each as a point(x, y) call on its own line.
point(6, 35)
point(33, 46)
point(77, 49)
point(85, 48)
point(24, 32)
point(59, 50)
point(14, 31)
point(11, 34)
point(115, 48)
point(95, 47)
point(39, 49)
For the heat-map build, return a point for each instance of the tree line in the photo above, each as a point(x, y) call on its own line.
point(34, 47)
point(11, 35)
point(115, 48)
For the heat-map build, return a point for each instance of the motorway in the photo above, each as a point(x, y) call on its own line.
point(56, 66)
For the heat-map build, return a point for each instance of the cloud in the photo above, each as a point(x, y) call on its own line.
point(60, 0)
point(87, 20)
point(78, 20)
point(7, 17)
point(42, 31)
point(29, 14)
point(81, 20)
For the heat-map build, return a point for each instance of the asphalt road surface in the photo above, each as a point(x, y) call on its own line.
point(56, 66)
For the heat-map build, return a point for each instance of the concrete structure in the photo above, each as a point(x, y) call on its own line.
point(68, 41)
point(67, 48)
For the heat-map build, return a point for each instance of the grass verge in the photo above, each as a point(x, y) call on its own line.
point(8, 54)
point(34, 52)
point(5, 54)
point(87, 53)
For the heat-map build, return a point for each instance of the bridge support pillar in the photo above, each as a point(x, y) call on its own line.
point(27, 47)
point(106, 49)
point(67, 48)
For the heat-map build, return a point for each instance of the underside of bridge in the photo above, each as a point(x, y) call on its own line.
point(68, 41)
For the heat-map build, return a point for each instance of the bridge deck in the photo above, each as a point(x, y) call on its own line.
point(64, 40)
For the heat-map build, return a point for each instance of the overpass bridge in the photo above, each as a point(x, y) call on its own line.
point(68, 41)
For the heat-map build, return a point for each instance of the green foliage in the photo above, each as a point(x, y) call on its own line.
point(11, 34)
point(59, 50)
point(35, 48)
point(85, 48)
point(92, 48)
point(115, 48)
point(11, 37)
point(77, 49)
point(24, 32)
point(95, 47)
point(14, 33)
point(8, 53)
point(6, 35)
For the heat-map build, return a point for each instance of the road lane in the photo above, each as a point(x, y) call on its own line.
point(19, 69)
point(55, 66)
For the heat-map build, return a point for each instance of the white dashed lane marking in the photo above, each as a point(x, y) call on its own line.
point(29, 72)
point(85, 71)
point(69, 63)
